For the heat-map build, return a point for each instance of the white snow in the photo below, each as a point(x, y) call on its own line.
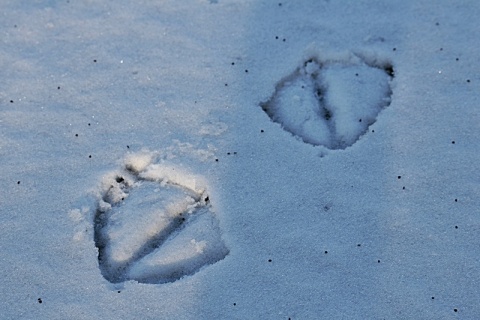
point(138, 162)
point(190, 250)
point(146, 215)
point(330, 104)
point(119, 119)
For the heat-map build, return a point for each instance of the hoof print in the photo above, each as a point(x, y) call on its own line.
point(154, 224)
point(331, 103)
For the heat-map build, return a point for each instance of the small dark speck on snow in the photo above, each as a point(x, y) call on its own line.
point(269, 260)
point(399, 177)
point(18, 182)
point(389, 70)
point(11, 101)
point(39, 300)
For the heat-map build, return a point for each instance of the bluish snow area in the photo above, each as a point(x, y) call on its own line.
point(238, 159)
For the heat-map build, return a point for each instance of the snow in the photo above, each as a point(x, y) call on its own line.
point(332, 107)
point(194, 247)
point(302, 213)
point(153, 223)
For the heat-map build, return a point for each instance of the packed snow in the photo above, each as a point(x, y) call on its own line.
point(150, 208)
point(332, 108)
point(206, 160)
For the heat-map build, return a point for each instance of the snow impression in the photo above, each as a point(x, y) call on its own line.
point(331, 103)
point(154, 224)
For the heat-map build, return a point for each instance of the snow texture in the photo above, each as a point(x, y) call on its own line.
point(154, 224)
point(311, 214)
point(331, 103)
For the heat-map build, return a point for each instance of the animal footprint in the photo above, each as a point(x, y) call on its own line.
point(154, 224)
point(331, 103)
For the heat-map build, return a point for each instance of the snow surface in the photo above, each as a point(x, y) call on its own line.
point(154, 223)
point(384, 228)
point(331, 104)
